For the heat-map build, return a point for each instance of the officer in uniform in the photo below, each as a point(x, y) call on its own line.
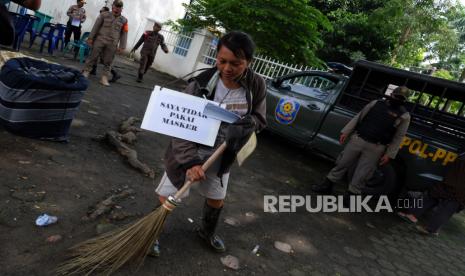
point(375, 136)
point(77, 16)
point(151, 40)
point(114, 73)
point(110, 29)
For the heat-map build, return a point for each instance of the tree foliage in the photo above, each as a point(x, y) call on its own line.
point(397, 32)
point(287, 30)
point(448, 49)
point(413, 24)
point(400, 33)
point(354, 36)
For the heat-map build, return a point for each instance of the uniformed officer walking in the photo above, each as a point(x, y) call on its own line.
point(375, 136)
point(77, 16)
point(151, 40)
point(114, 73)
point(110, 29)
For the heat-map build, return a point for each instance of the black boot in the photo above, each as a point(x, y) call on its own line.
point(115, 75)
point(94, 70)
point(210, 219)
point(139, 79)
point(323, 188)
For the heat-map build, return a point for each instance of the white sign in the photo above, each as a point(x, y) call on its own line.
point(76, 22)
point(180, 115)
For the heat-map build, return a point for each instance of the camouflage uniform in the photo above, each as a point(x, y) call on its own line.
point(151, 42)
point(107, 32)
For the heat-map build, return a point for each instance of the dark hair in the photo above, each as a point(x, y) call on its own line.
point(105, 9)
point(157, 24)
point(240, 43)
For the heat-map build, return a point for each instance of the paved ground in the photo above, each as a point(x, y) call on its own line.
point(67, 179)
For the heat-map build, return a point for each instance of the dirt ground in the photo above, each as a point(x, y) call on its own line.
point(68, 179)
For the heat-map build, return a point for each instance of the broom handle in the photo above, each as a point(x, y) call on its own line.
point(205, 167)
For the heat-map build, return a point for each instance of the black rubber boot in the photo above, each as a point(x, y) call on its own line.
point(210, 219)
point(115, 75)
point(323, 188)
point(94, 70)
point(140, 78)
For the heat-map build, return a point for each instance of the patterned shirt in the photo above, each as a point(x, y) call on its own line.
point(75, 12)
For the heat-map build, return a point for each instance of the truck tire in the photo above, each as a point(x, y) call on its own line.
point(384, 182)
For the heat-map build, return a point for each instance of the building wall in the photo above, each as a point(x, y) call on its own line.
point(135, 11)
point(179, 66)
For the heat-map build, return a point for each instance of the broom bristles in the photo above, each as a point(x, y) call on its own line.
point(110, 251)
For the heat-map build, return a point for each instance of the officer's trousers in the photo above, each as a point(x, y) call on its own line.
point(145, 62)
point(70, 29)
point(364, 155)
point(105, 50)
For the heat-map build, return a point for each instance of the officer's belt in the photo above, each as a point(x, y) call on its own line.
point(370, 139)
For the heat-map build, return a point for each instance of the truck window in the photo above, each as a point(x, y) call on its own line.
point(310, 85)
point(312, 81)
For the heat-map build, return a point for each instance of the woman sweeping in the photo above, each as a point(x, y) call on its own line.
point(235, 87)
point(238, 89)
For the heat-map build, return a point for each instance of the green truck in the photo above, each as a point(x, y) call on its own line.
point(311, 107)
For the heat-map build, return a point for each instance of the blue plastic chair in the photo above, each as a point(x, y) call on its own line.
point(29, 29)
point(81, 45)
point(59, 37)
point(20, 22)
point(46, 34)
point(37, 32)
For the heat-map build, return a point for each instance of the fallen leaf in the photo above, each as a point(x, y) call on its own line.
point(54, 238)
point(249, 214)
point(230, 262)
point(284, 247)
point(370, 225)
point(231, 221)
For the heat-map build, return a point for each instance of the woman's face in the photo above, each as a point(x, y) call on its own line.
point(230, 66)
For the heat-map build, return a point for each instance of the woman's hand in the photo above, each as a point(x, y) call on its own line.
point(196, 173)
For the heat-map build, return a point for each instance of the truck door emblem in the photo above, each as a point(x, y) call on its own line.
point(286, 111)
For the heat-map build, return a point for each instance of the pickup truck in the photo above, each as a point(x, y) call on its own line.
point(311, 107)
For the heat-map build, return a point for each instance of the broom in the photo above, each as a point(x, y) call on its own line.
point(107, 253)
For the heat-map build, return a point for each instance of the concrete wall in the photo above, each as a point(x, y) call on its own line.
point(136, 11)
